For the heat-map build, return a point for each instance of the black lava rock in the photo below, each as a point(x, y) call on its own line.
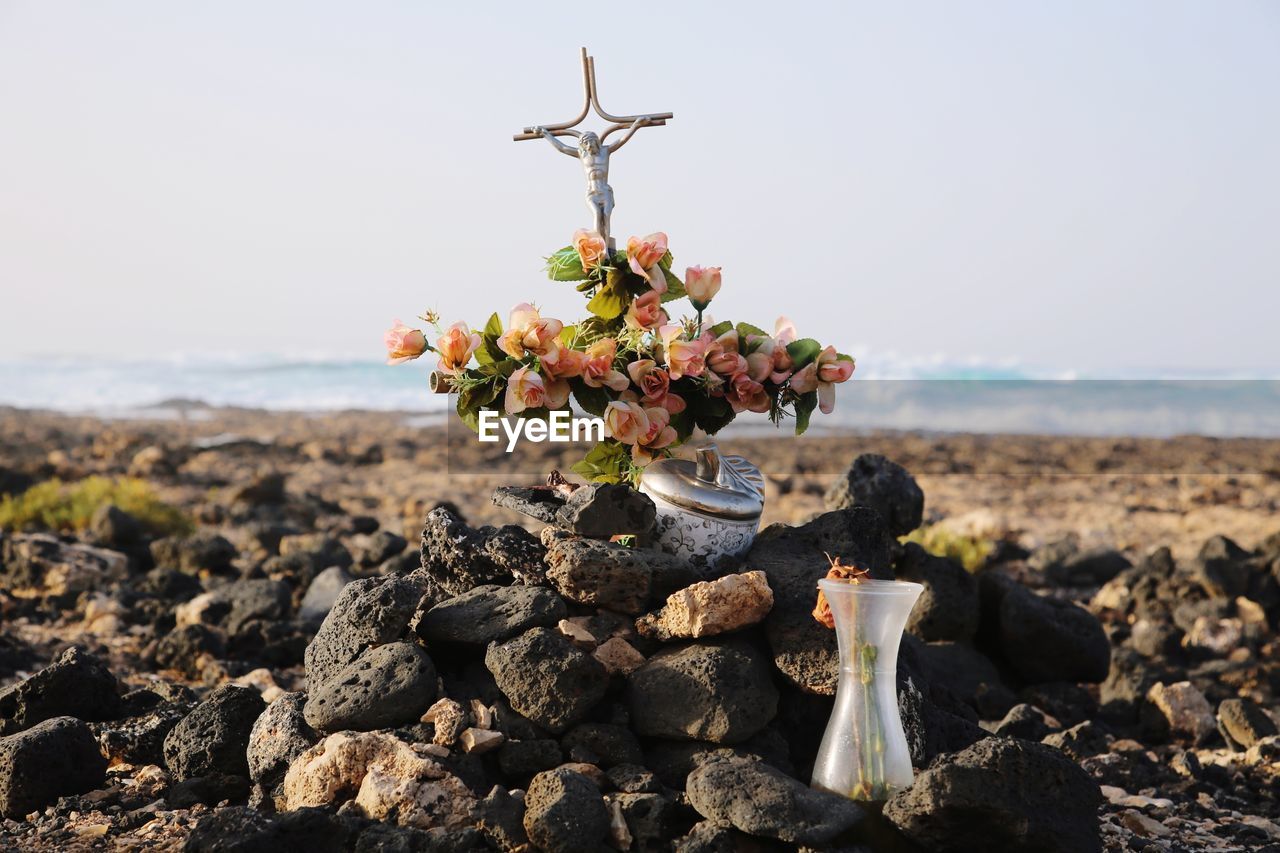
point(491, 613)
point(948, 607)
point(720, 692)
point(278, 736)
point(214, 737)
point(385, 686)
point(55, 757)
point(77, 684)
point(459, 558)
point(1001, 794)
point(564, 812)
point(885, 486)
point(1048, 639)
point(761, 800)
point(546, 678)
point(602, 510)
point(368, 612)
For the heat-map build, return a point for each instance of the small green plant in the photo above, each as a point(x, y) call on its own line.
point(969, 551)
point(67, 507)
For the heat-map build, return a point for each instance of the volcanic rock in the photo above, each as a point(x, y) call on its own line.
point(322, 593)
point(546, 678)
point(278, 736)
point(1000, 794)
point(77, 684)
point(564, 812)
point(214, 737)
point(368, 612)
point(602, 510)
point(1185, 709)
point(55, 757)
point(612, 576)
point(1046, 639)
point(385, 686)
point(491, 613)
point(761, 800)
point(458, 558)
point(884, 486)
point(718, 691)
point(947, 608)
point(1243, 722)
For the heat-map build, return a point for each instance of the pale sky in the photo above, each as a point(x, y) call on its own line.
point(1087, 185)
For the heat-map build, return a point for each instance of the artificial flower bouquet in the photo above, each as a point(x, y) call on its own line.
point(653, 381)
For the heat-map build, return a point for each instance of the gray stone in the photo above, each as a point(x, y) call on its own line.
point(278, 736)
point(564, 812)
point(520, 759)
point(1063, 562)
point(1081, 741)
point(714, 691)
point(794, 560)
point(761, 800)
point(546, 678)
point(1243, 722)
point(203, 551)
point(1047, 639)
point(53, 758)
point(491, 613)
point(884, 486)
point(43, 564)
point(368, 612)
point(1025, 721)
point(77, 684)
point(602, 744)
point(602, 510)
point(538, 502)
point(614, 577)
point(214, 737)
point(322, 593)
point(1001, 794)
point(500, 818)
point(948, 607)
point(385, 686)
point(650, 818)
point(249, 600)
point(114, 528)
point(380, 547)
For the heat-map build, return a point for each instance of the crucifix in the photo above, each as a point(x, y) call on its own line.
point(591, 149)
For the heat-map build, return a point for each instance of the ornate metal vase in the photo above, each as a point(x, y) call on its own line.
point(708, 509)
point(864, 753)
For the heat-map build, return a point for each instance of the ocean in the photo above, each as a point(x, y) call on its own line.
point(935, 394)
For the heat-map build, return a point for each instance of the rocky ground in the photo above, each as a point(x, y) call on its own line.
point(314, 667)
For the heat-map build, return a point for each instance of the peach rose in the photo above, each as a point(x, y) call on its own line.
point(528, 390)
point(655, 385)
point(701, 284)
point(683, 358)
point(591, 248)
point(745, 394)
point(722, 354)
point(784, 332)
point(403, 344)
point(646, 311)
point(455, 347)
point(644, 252)
point(597, 370)
point(561, 362)
point(528, 332)
point(626, 422)
point(823, 374)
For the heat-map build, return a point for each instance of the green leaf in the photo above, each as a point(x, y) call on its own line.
point(592, 400)
point(605, 463)
point(745, 329)
point(666, 260)
point(611, 300)
point(805, 404)
point(565, 265)
point(675, 287)
point(803, 351)
point(471, 400)
point(720, 328)
point(493, 326)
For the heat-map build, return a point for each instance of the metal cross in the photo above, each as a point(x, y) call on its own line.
point(591, 149)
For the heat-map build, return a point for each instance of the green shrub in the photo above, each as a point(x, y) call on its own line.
point(969, 551)
point(67, 507)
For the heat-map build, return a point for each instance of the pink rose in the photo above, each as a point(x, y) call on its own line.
point(591, 247)
point(455, 347)
point(660, 432)
point(722, 354)
point(683, 358)
point(528, 332)
point(823, 374)
point(655, 385)
point(701, 284)
point(644, 252)
point(560, 362)
point(746, 395)
point(597, 370)
point(626, 422)
point(784, 332)
point(646, 311)
point(403, 344)
point(528, 390)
